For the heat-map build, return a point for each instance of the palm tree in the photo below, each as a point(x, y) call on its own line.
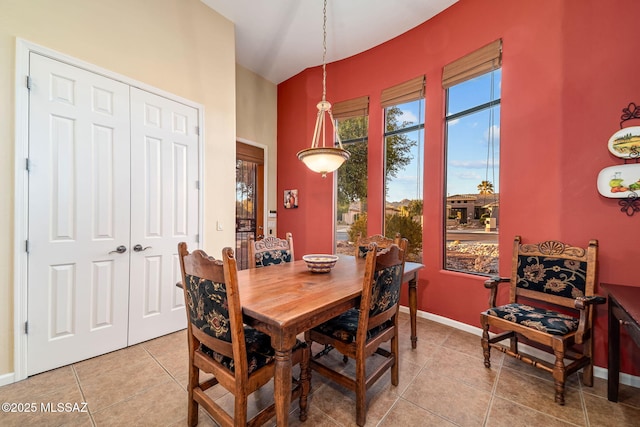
point(485, 187)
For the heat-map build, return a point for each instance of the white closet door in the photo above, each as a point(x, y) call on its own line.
point(79, 206)
point(164, 210)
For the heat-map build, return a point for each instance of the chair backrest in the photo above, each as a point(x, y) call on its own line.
point(382, 242)
point(270, 250)
point(382, 281)
point(213, 307)
point(553, 271)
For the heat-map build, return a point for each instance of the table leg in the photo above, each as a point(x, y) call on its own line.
point(614, 353)
point(282, 386)
point(413, 310)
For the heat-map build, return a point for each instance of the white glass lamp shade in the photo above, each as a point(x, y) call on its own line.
point(323, 159)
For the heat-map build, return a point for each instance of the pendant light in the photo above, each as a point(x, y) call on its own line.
point(320, 158)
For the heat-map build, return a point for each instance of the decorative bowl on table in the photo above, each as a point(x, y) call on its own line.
point(320, 263)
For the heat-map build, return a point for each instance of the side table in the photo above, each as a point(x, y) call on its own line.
point(624, 308)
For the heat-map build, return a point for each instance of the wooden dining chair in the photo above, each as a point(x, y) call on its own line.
point(550, 304)
point(382, 242)
point(270, 250)
point(359, 332)
point(240, 357)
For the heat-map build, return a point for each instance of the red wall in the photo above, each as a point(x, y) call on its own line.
point(569, 67)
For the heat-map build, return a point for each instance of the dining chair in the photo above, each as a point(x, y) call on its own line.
point(240, 358)
point(550, 304)
point(270, 250)
point(359, 332)
point(382, 242)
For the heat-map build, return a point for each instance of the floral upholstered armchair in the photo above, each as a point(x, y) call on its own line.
point(551, 303)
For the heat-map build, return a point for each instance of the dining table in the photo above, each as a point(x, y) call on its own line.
point(287, 299)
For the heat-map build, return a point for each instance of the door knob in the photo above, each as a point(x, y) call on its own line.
point(120, 249)
point(139, 248)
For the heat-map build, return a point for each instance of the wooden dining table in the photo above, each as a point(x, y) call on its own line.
point(285, 300)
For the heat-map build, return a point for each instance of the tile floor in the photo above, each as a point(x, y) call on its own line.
point(442, 383)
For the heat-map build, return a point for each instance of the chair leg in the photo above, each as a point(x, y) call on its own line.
point(240, 409)
point(395, 376)
point(305, 380)
point(559, 376)
point(192, 409)
point(587, 371)
point(361, 392)
point(486, 348)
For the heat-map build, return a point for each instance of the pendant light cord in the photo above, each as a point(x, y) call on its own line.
point(324, 52)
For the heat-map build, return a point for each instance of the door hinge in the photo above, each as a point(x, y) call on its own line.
point(26, 327)
point(197, 130)
point(26, 164)
point(28, 82)
point(197, 184)
point(197, 238)
point(26, 246)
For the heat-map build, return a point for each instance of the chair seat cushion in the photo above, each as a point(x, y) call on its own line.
point(548, 321)
point(345, 326)
point(259, 351)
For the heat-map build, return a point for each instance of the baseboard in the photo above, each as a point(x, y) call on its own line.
point(7, 378)
point(630, 380)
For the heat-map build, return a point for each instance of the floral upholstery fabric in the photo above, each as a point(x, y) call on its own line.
point(386, 289)
point(362, 251)
point(345, 326)
point(208, 311)
point(385, 295)
point(208, 307)
point(561, 277)
point(547, 321)
point(259, 351)
point(264, 259)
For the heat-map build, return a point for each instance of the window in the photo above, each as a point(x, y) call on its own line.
point(351, 192)
point(472, 160)
point(404, 163)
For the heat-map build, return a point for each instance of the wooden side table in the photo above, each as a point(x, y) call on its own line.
point(624, 308)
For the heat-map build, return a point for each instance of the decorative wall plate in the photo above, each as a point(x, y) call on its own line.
point(618, 182)
point(625, 143)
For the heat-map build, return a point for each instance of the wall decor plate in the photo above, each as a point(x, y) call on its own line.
point(625, 143)
point(618, 182)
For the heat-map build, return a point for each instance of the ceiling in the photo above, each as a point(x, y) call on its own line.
point(277, 39)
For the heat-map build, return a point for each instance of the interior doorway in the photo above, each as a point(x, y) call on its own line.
point(249, 199)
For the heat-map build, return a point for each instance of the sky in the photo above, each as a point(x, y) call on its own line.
point(473, 142)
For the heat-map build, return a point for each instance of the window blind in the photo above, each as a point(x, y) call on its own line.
point(355, 107)
point(404, 92)
point(479, 62)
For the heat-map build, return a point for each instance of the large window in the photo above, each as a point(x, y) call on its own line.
point(472, 183)
point(404, 163)
point(404, 171)
point(351, 192)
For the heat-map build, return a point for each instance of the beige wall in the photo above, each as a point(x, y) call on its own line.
point(179, 46)
point(256, 121)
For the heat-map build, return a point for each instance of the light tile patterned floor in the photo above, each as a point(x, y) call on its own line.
point(442, 383)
